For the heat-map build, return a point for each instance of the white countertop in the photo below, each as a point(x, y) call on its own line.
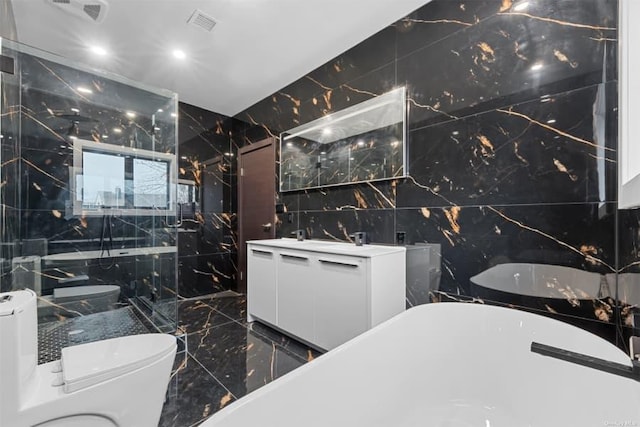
point(328, 246)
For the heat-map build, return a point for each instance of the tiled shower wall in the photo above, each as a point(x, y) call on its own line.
point(512, 141)
point(206, 243)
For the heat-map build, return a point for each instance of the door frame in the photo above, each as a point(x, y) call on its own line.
point(241, 278)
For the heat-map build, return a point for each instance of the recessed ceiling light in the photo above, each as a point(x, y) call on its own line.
point(179, 54)
point(84, 89)
point(326, 131)
point(98, 50)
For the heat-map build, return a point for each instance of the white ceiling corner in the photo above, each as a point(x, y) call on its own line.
point(256, 47)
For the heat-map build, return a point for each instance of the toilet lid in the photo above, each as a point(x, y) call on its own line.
point(87, 364)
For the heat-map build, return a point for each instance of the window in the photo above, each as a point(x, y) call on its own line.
point(120, 180)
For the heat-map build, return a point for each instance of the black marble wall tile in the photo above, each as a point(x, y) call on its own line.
point(512, 142)
point(340, 224)
point(353, 63)
point(277, 113)
point(510, 58)
point(441, 18)
point(371, 195)
point(557, 149)
point(254, 133)
point(202, 134)
point(206, 274)
point(369, 84)
point(474, 239)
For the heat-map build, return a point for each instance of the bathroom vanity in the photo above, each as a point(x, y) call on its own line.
point(324, 293)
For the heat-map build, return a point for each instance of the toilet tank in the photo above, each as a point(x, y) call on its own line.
point(19, 332)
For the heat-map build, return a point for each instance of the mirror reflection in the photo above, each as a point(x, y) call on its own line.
point(364, 142)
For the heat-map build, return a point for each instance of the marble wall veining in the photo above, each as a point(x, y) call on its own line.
point(207, 250)
point(512, 142)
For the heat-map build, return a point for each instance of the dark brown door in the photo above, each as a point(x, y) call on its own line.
point(256, 199)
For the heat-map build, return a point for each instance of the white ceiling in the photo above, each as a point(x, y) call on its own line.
point(256, 48)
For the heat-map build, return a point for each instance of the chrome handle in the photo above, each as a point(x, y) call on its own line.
point(259, 252)
point(302, 258)
point(340, 263)
point(267, 226)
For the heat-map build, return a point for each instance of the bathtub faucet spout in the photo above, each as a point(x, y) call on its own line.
point(615, 368)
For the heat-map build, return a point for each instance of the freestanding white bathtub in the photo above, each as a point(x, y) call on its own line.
point(448, 364)
point(541, 281)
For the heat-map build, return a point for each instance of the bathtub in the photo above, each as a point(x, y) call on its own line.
point(448, 364)
point(550, 288)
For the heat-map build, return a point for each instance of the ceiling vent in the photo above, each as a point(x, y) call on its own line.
point(202, 20)
point(90, 10)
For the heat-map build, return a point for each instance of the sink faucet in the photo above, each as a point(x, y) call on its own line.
point(359, 237)
point(300, 234)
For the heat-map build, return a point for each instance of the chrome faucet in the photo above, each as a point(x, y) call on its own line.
point(300, 234)
point(604, 290)
point(359, 238)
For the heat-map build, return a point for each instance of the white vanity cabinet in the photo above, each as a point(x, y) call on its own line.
point(262, 283)
point(324, 293)
point(294, 293)
point(341, 299)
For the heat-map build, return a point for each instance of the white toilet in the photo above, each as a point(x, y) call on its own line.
point(119, 382)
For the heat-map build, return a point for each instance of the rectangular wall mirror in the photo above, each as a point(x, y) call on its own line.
point(362, 143)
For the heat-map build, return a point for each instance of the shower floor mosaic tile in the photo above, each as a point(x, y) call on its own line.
point(53, 336)
point(226, 358)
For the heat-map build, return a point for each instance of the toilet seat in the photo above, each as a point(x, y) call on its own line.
point(88, 364)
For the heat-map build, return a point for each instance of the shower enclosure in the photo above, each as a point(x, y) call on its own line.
point(88, 178)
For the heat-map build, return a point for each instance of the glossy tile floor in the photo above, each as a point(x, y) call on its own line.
point(225, 358)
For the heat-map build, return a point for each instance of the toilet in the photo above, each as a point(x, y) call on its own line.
point(120, 382)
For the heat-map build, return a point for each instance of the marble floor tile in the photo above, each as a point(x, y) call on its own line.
point(241, 359)
point(299, 349)
point(196, 315)
point(233, 307)
point(192, 396)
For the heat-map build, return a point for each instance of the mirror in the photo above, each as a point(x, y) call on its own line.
point(362, 143)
